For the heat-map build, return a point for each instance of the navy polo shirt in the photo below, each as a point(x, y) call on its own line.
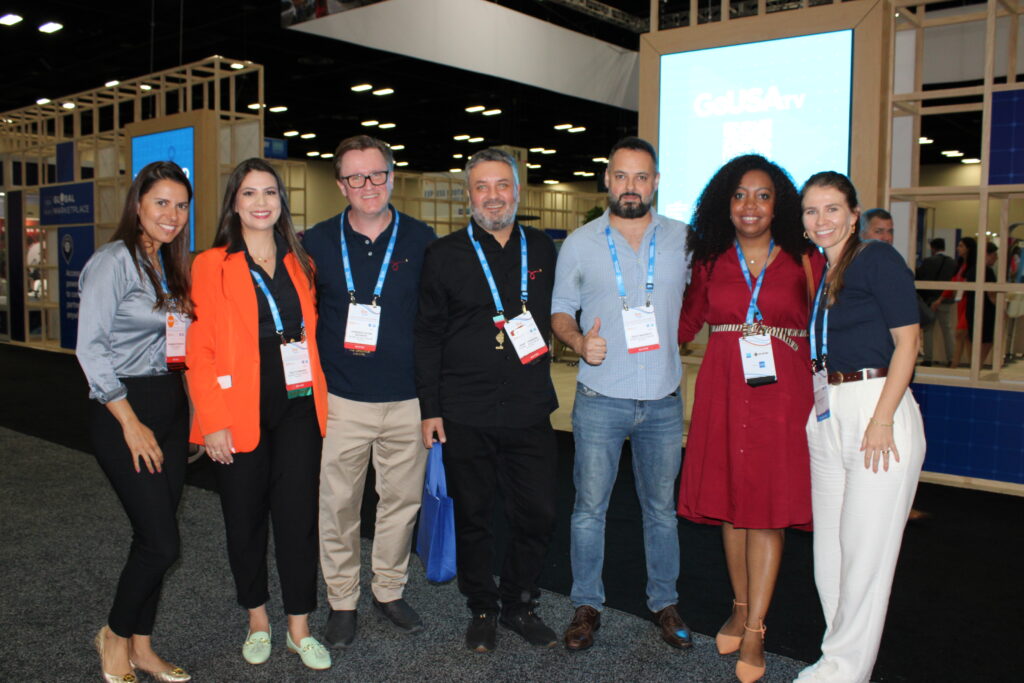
point(387, 374)
point(878, 295)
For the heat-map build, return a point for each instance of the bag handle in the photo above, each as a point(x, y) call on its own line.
point(435, 477)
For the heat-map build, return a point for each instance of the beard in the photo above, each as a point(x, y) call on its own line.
point(500, 222)
point(637, 208)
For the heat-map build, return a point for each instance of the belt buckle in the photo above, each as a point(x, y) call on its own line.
point(752, 329)
point(840, 377)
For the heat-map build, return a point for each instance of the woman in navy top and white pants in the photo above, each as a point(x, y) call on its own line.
point(865, 433)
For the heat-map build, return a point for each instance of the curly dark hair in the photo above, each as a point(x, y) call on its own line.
point(711, 229)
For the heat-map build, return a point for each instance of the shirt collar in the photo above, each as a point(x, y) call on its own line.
point(280, 243)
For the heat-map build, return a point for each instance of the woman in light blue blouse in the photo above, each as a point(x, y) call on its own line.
point(133, 311)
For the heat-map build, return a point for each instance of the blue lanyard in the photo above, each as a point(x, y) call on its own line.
point(278, 325)
point(818, 364)
point(499, 318)
point(752, 309)
point(649, 285)
point(383, 266)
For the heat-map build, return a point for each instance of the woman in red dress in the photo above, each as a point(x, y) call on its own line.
point(747, 466)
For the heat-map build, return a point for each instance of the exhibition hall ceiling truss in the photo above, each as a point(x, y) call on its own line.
point(434, 115)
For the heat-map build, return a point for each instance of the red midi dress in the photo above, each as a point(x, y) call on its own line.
point(746, 458)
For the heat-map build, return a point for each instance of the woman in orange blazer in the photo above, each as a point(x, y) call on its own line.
point(261, 400)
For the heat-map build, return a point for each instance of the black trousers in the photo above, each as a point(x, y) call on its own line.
point(522, 462)
point(279, 480)
point(149, 500)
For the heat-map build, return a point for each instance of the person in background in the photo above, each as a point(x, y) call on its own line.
point(747, 466)
point(625, 272)
point(483, 375)
point(966, 254)
point(261, 401)
point(132, 317)
point(988, 311)
point(369, 259)
point(876, 224)
point(938, 266)
point(865, 433)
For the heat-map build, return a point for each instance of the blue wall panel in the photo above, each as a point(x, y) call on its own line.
point(973, 432)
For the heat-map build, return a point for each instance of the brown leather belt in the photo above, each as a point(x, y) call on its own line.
point(866, 373)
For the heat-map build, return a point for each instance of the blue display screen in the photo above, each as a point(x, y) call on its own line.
point(176, 145)
point(787, 99)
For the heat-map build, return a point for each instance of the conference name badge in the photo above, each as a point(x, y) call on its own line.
point(298, 372)
point(362, 328)
point(641, 329)
point(526, 337)
point(758, 359)
point(175, 327)
point(820, 382)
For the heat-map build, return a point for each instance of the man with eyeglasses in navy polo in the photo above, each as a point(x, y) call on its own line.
point(368, 260)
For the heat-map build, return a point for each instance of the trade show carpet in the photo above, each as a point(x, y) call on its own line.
point(63, 537)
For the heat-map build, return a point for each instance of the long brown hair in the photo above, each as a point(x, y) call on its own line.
point(854, 245)
point(229, 230)
point(174, 254)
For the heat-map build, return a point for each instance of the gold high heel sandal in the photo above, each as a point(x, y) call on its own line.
point(728, 644)
point(748, 673)
point(110, 678)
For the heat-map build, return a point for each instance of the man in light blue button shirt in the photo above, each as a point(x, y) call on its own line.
point(625, 273)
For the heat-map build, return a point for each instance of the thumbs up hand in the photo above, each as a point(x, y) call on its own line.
point(593, 348)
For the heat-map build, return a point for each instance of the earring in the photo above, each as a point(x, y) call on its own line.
point(805, 235)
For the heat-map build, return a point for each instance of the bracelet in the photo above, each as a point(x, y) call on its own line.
point(881, 424)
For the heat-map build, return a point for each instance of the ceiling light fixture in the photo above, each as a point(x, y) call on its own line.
point(326, 155)
point(312, 154)
point(254, 106)
point(563, 126)
point(10, 19)
point(924, 140)
point(600, 160)
point(308, 136)
point(385, 126)
point(478, 139)
point(970, 161)
point(492, 112)
point(401, 163)
point(278, 109)
point(537, 149)
point(461, 137)
point(397, 148)
point(68, 105)
point(370, 122)
point(43, 100)
point(291, 133)
point(454, 170)
point(577, 129)
point(953, 153)
point(549, 151)
point(457, 156)
point(147, 87)
point(237, 65)
point(550, 182)
point(50, 27)
point(384, 91)
point(362, 87)
point(475, 108)
point(532, 165)
point(111, 84)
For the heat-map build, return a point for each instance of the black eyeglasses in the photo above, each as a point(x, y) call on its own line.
point(357, 180)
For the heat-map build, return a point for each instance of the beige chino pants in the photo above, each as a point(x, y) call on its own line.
point(390, 434)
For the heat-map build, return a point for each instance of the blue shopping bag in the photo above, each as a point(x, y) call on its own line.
point(435, 543)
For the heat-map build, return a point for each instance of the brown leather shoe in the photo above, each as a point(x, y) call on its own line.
point(580, 634)
point(674, 630)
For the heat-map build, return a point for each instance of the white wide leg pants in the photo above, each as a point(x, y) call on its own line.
point(859, 517)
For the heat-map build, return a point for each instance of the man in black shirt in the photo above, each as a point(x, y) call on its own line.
point(938, 266)
point(484, 384)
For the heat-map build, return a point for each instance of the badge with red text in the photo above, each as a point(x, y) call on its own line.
point(298, 372)
point(175, 327)
point(641, 329)
point(526, 338)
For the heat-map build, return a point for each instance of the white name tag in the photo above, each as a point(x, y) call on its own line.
point(175, 327)
point(821, 395)
point(526, 337)
point(298, 373)
point(362, 328)
point(224, 381)
point(641, 329)
point(758, 359)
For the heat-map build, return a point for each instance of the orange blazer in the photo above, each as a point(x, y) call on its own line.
point(223, 354)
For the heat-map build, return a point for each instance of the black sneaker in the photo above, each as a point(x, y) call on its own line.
point(524, 621)
point(341, 628)
point(482, 632)
point(400, 614)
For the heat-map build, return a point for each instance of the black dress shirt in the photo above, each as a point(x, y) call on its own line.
point(281, 286)
point(461, 375)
